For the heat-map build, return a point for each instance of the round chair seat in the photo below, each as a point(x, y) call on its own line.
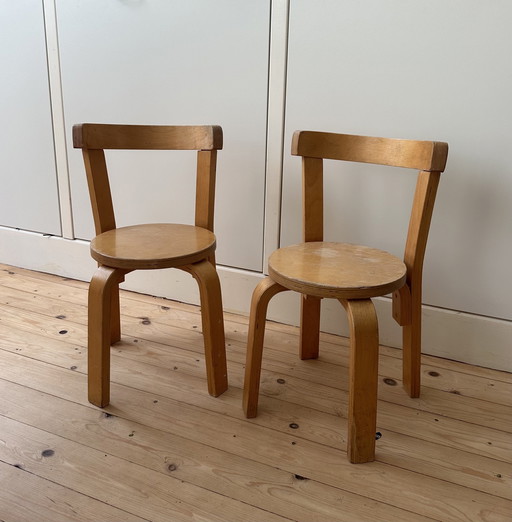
point(338, 270)
point(160, 245)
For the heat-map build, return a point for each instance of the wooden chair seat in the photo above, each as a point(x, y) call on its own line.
point(158, 245)
point(337, 270)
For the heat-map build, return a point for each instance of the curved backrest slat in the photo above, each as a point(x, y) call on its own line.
point(419, 155)
point(95, 138)
point(147, 137)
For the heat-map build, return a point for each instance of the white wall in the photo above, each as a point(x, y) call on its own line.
point(423, 70)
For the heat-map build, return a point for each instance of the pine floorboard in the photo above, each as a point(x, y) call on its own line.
point(165, 450)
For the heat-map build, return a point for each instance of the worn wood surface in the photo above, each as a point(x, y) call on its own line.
point(154, 137)
point(165, 450)
point(337, 270)
point(419, 155)
point(153, 246)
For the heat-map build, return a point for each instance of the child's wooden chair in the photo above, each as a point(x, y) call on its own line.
point(119, 251)
point(352, 274)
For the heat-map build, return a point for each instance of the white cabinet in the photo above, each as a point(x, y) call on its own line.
point(28, 182)
point(422, 70)
point(172, 62)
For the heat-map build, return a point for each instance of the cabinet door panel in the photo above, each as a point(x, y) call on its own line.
point(421, 70)
point(173, 62)
point(28, 181)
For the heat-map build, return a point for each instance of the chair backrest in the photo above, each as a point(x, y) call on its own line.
point(429, 157)
point(94, 138)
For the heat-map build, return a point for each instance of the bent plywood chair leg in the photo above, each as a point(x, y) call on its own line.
point(264, 291)
point(115, 315)
point(310, 327)
point(412, 349)
point(213, 325)
point(364, 354)
point(103, 283)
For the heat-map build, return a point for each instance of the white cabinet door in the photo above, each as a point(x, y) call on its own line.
point(422, 70)
point(28, 181)
point(172, 62)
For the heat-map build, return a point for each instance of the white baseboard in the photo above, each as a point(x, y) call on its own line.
point(460, 336)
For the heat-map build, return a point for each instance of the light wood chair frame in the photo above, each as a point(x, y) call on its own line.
point(430, 159)
point(104, 326)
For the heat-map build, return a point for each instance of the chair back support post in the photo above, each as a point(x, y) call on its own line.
point(419, 224)
point(312, 199)
point(99, 190)
point(205, 188)
point(409, 297)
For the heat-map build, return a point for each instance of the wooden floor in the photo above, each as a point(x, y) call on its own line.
point(165, 450)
